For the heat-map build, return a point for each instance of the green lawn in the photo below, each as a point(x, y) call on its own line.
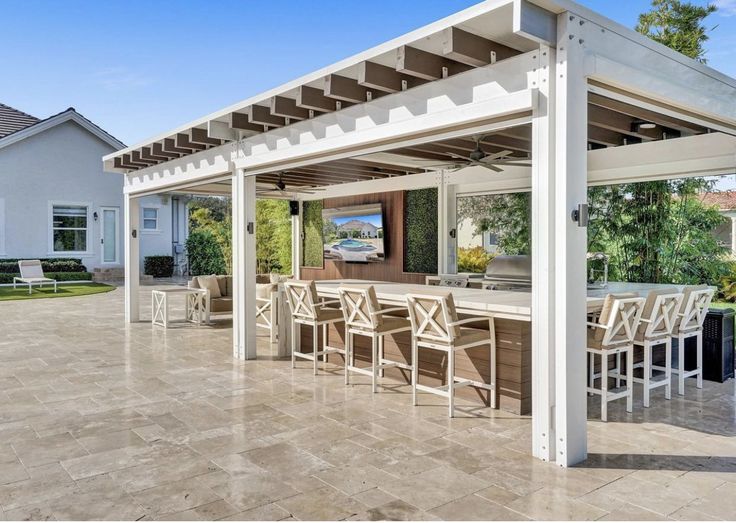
point(64, 291)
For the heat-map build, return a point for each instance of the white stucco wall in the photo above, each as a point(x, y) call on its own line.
point(63, 165)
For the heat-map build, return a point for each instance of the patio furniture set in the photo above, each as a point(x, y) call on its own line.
point(628, 322)
point(431, 318)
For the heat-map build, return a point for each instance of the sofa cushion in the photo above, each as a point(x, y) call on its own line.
point(211, 284)
point(223, 304)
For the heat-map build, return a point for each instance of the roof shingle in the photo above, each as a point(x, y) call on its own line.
point(725, 200)
point(12, 120)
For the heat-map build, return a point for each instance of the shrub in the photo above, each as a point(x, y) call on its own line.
point(48, 265)
point(205, 254)
point(472, 259)
point(161, 266)
point(420, 231)
point(7, 277)
point(312, 226)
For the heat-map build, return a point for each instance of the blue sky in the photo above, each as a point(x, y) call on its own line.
point(140, 68)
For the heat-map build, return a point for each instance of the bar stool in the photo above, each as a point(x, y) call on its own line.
point(655, 330)
point(614, 334)
point(364, 317)
point(435, 326)
point(307, 309)
point(695, 302)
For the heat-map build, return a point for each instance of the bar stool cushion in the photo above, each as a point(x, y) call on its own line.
point(693, 324)
point(327, 314)
point(598, 334)
point(427, 304)
point(649, 308)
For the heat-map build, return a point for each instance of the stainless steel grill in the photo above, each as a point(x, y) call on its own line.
point(509, 273)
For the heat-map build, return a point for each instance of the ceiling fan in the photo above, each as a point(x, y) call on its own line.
point(478, 157)
point(280, 188)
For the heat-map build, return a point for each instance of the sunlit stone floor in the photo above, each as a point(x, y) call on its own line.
point(103, 421)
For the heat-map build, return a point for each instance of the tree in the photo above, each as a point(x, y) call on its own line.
point(659, 231)
point(273, 236)
point(507, 215)
point(678, 25)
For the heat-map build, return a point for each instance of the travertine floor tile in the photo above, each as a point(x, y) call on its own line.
point(99, 419)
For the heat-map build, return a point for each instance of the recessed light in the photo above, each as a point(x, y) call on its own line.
point(647, 125)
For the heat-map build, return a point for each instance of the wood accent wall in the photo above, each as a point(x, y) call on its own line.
point(390, 270)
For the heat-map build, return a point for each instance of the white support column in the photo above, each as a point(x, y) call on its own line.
point(244, 265)
point(296, 242)
point(543, 259)
point(451, 218)
point(131, 212)
point(570, 244)
point(442, 229)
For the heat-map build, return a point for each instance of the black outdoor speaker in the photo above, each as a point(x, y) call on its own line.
point(294, 207)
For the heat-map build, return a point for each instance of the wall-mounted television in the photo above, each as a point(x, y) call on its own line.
point(354, 234)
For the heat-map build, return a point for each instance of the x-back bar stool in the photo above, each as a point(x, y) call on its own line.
point(307, 309)
point(435, 326)
point(655, 330)
point(614, 334)
point(364, 317)
point(692, 313)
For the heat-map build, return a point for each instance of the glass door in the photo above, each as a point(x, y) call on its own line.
point(109, 234)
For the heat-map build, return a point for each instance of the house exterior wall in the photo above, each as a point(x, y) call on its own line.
point(62, 165)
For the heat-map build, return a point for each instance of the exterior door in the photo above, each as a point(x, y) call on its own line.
point(109, 234)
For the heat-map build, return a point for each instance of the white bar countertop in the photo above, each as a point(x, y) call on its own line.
point(501, 304)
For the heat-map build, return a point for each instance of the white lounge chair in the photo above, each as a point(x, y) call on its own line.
point(31, 273)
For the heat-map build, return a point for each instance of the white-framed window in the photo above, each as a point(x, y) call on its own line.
point(69, 227)
point(2, 226)
point(150, 219)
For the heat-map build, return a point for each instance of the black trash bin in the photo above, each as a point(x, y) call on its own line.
point(718, 348)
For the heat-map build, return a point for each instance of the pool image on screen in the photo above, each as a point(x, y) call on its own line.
point(354, 234)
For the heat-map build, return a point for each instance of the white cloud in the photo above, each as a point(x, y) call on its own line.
point(726, 7)
point(120, 78)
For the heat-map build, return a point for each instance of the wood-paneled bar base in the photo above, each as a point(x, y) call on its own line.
point(513, 342)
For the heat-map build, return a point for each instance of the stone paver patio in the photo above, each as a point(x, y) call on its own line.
point(99, 420)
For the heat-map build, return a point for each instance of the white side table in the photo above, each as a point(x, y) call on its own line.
point(194, 305)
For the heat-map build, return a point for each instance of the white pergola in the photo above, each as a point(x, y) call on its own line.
point(545, 78)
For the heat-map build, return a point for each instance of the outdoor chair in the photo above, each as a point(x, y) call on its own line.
point(695, 302)
point(31, 273)
point(364, 317)
point(307, 309)
point(655, 331)
point(436, 326)
point(613, 334)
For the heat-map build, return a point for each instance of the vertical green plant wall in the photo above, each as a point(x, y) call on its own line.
point(420, 231)
point(312, 247)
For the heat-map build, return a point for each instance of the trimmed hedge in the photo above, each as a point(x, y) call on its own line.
point(420, 231)
point(205, 254)
point(7, 277)
point(48, 265)
point(160, 266)
point(313, 246)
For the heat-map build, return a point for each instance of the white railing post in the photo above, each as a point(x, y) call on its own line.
point(131, 213)
point(543, 259)
point(570, 243)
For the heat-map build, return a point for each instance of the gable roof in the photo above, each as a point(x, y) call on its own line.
point(38, 126)
point(12, 120)
point(725, 200)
